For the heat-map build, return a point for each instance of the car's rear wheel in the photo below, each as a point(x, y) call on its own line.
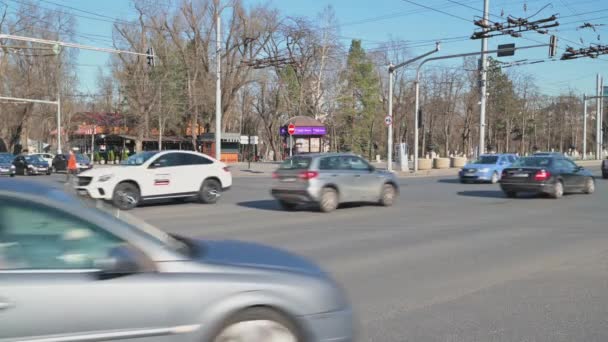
point(389, 193)
point(53, 169)
point(494, 178)
point(510, 194)
point(210, 191)
point(589, 186)
point(329, 200)
point(558, 190)
point(289, 206)
point(258, 325)
point(126, 196)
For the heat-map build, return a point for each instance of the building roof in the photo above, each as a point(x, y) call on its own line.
point(304, 121)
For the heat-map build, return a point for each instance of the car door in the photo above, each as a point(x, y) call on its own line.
point(50, 289)
point(567, 172)
point(578, 176)
point(195, 169)
point(333, 172)
point(163, 177)
point(367, 183)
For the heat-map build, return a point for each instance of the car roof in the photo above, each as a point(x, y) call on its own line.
point(31, 188)
point(330, 154)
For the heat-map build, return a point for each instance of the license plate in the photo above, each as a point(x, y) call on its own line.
point(521, 175)
point(288, 180)
point(83, 192)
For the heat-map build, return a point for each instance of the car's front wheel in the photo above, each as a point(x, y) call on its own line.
point(258, 325)
point(494, 178)
point(126, 196)
point(389, 193)
point(210, 191)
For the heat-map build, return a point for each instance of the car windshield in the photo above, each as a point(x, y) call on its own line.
point(139, 158)
point(533, 162)
point(296, 163)
point(5, 158)
point(34, 158)
point(486, 160)
point(81, 158)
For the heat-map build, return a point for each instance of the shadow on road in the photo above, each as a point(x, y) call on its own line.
point(261, 204)
point(497, 194)
point(449, 181)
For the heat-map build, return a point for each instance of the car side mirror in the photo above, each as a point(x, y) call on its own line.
point(122, 260)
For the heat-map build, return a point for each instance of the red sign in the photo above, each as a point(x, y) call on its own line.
point(291, 129)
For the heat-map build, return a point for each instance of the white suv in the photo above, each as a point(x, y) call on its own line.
point(157, 175)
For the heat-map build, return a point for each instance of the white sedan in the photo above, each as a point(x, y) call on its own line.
point(157, 175)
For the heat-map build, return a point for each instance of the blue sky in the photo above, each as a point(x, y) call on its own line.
point(381, 20)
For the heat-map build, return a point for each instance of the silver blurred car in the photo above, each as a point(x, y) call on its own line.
point(329, 179)
point(71, 272)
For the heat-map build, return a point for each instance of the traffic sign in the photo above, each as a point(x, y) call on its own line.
point(291, 129)
point(388, 120)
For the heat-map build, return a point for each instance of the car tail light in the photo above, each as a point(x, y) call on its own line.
point(542, 175)
point(306, 175)
point(226, 169)
point(275, 175)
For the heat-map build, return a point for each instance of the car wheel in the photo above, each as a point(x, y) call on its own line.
point(511, 194)
point(126, 196)
point(53, 170)
point(210, 191)
point(329, 200)
point(12, 175)
point(389, 193)
point(287, 205)
point(558, 190)
point(494, 178)
point(589, 186)
point(605, 175)
point(462, 181)
point(258, 325)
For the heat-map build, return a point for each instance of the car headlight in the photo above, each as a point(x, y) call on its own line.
point(485, 169)
point(12, 167)
point(105, 178)
point(29, 166)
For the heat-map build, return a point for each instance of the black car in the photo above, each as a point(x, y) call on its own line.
point(552, 175)
point(31, 165)
point(6, 165)
point(605, 169)
point(60, 162)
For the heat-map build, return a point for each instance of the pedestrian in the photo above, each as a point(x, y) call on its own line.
point(72, 166)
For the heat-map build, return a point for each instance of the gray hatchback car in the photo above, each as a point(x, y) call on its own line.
point(71, 272)
point(330, 179)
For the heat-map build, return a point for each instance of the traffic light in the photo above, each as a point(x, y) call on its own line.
point(552, 46)
point(150, 57)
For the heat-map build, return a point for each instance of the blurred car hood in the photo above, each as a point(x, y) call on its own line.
point(479, 166)
point(246, 254)
point(5, 165)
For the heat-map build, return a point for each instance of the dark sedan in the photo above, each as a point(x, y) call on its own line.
point(31, 165)
point(6, 165)
point(552, 175)
point(605, 169)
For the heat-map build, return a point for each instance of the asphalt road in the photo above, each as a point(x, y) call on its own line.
point(448, 263)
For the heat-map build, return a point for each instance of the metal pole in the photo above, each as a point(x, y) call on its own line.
point(597, 117)
point(93, 144)
point(584, 126)
point(416, 123)
point(290, 145)
point(483, 85)
point(218, 92)
point(390, 114)
point(58, 124)
point(601, 118)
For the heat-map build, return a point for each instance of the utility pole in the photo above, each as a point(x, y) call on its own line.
point(218, 89)
point(483, 81)
point(391, 72)
point(598, 154)
point(584, 126)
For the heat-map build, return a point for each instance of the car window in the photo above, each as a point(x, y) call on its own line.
point(486, 160)
point(193, 159)
point(565, 165)
point(353, 163)
point(34, 237)
point(512, 159)
point(169, 160)
point(329, 163)
point(296, 163)
point(533, 162)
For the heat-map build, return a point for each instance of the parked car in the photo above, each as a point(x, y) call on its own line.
point(488, 168)
point(327, 180)
point(155, 175)
point(605, 169)
point(551, 175)
point(122, 279)
point(31, 165)
point(46, 156)
point(60, 162)
point(6, 165)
